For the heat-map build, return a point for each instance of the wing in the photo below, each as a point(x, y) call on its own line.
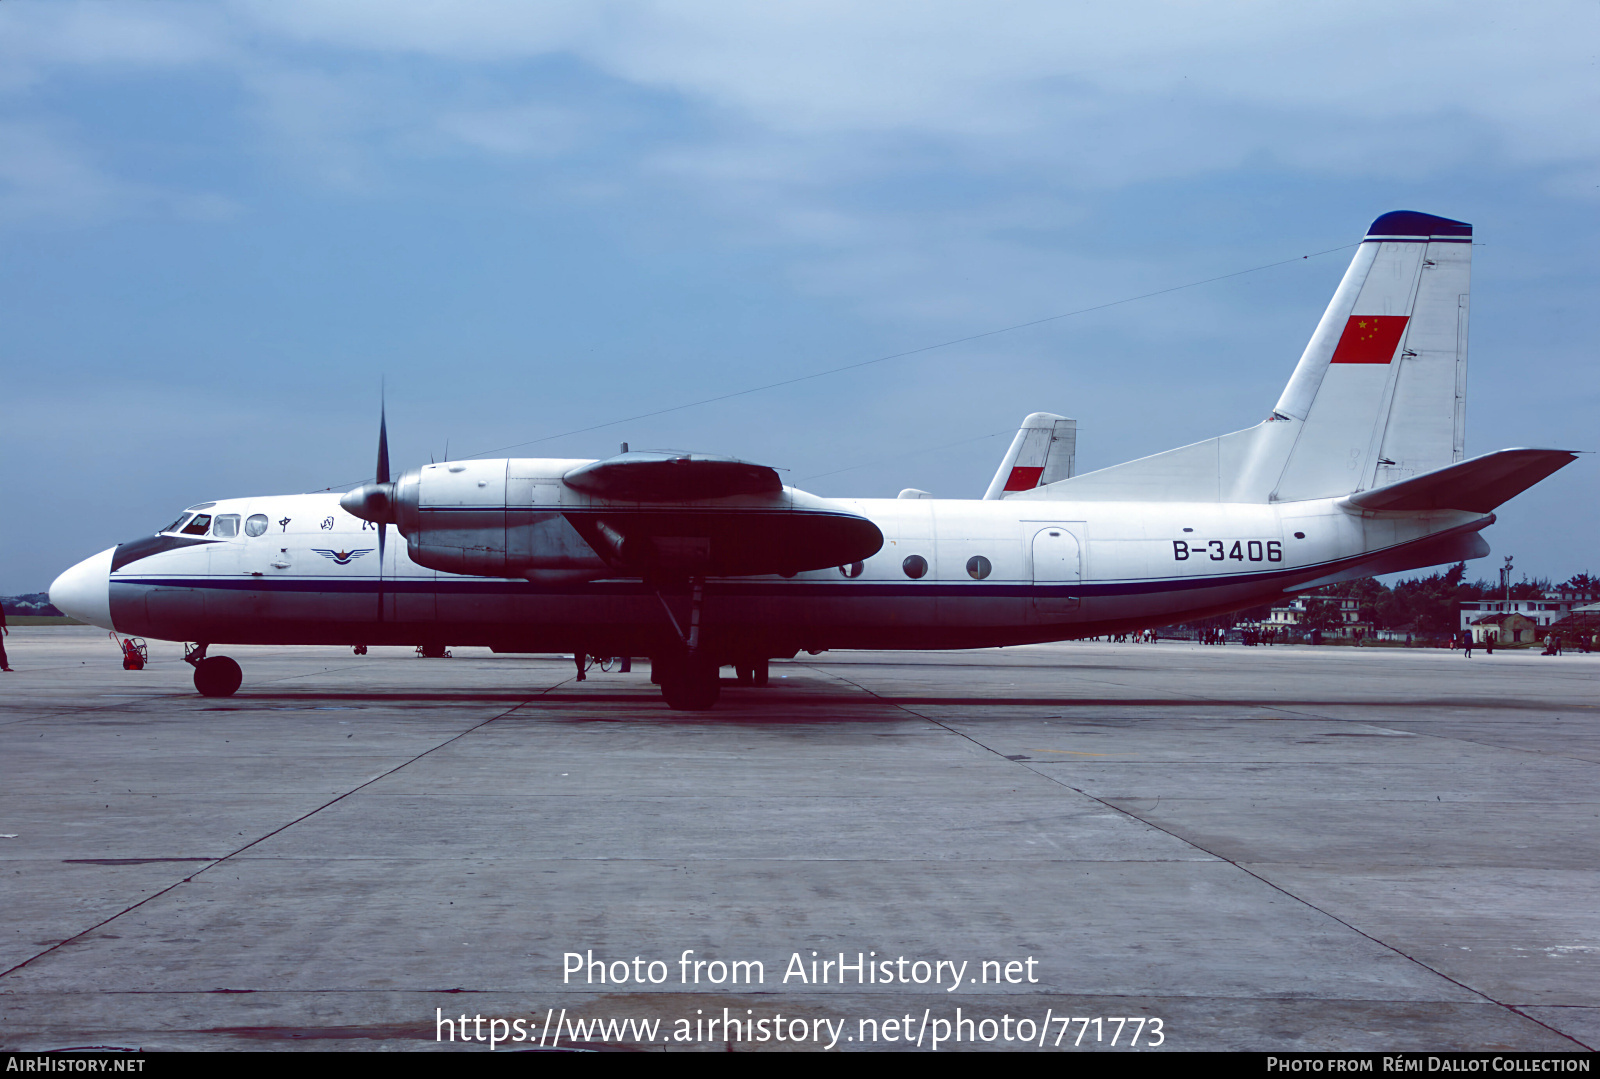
point(651, 476)
point(744, 522)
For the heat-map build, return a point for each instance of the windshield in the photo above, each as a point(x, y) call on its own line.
point(175, 525)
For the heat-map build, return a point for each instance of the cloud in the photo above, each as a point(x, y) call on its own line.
point(1012, 71)
point(37, 39)
point(44, 176)
point(1083, 97)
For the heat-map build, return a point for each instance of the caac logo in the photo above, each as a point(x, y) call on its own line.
point(342, 558)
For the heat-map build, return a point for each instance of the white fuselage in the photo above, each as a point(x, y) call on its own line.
point(992, 573)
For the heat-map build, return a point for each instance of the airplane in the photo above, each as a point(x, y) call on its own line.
point(700, 561)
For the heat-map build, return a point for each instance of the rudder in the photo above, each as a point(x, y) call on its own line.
point(1378, 396)
point(1381, 388)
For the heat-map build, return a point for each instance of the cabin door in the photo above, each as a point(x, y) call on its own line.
point(1057, 568)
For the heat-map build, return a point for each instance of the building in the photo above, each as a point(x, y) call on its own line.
point(1504, 629)
point(1580, 629)
point(1540, 613)
point(1290, 618)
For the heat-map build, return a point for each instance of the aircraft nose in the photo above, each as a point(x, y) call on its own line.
point(84, 591)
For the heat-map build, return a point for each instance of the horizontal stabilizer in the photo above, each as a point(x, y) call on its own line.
point(1478, 485)
point(650, 476)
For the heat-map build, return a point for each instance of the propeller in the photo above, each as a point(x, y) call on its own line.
point(381, 477)
point(375, 501)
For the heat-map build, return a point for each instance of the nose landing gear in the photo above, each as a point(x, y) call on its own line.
point(214, 676)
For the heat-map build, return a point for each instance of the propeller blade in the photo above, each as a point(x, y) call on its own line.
point(383, 472)
point(383, 446)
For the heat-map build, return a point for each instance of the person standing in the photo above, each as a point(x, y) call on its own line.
point(1466, 644)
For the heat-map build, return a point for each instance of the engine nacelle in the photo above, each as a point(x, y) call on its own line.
point(555, 519)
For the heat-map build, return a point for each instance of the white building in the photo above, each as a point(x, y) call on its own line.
point(1291, 616)
point(1549, 608)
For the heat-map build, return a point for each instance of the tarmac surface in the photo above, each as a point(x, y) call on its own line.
point(1287, 848)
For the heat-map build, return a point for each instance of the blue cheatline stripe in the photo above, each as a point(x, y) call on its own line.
point(809, 589)
point(480, 586)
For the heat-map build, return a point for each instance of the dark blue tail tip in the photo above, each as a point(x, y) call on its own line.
point(1411, 223)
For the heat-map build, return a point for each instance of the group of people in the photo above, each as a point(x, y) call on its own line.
point(1553, 644)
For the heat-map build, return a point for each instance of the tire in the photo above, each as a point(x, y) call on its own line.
point(758, 673)
point(217, 676)
point(746, 673)
point(691, 685)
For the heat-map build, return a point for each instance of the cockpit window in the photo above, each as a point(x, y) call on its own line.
point(226, 526)
point(255, 524)
point(198, 526)
point(179, 523)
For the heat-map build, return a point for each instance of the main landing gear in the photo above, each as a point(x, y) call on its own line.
point(690, 682)
point(693, 683)
point(691, 679)
point(214, 676)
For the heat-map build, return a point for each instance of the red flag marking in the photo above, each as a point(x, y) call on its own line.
point(1023, 478)
point(1370, 339)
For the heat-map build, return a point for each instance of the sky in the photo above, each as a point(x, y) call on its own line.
point(224, 225)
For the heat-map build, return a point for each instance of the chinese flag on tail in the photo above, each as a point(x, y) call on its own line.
point(1023, 478)
point(1370, 339)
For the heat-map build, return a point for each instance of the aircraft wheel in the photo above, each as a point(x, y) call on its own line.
point(746, 673)
point(217, 676)
point(758, 673)
point(691, 685)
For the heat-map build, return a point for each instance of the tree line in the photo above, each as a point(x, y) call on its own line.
point(1427, 606)
point(31, 603)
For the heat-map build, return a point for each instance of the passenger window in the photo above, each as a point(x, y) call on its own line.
point(978, 567)
point(198, 526)
point(226, 525)
point(255, 524)
point(915, 566)
point(175, 525)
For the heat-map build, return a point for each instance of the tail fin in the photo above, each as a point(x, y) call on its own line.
point(1379, 394)
point(1043, 452)
point(1381, 388)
